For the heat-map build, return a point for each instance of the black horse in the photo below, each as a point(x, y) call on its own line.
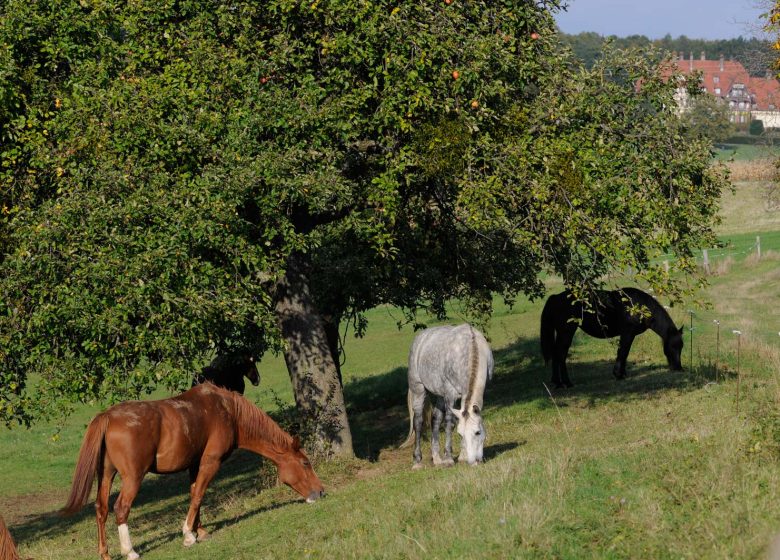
point(610, 315)
point(229, 372)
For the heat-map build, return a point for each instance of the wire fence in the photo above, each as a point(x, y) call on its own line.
point(718, 347)
point(731, 249)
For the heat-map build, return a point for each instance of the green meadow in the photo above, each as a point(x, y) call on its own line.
point(660, 465)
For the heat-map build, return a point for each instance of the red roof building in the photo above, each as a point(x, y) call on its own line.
point(748, 97)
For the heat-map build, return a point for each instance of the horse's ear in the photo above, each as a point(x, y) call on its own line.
point(457, 413)
point(476, 409)
point(681, 329)
point(296, 443)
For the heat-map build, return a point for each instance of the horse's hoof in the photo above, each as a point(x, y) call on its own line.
point(417, 466)
point(190, 539)
point(133, 555)
point(203, 535)
point(449, 462)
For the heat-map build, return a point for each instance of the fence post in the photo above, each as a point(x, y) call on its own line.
point(706, 261)
point(717, 348)
point(739, 377)
point(758, 246)
point(666, 267)
point(690, 311)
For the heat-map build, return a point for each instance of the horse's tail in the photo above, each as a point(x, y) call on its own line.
point(427, 412)
point(547, 330)
point(7, 546)
point(90, 459)
point(410, 436)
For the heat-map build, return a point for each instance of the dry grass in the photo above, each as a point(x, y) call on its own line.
point(763, 169)
point(749, 204)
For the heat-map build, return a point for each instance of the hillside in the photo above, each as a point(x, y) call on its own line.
point(661, 465)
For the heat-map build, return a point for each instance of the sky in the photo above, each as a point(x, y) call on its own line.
point(697, 19)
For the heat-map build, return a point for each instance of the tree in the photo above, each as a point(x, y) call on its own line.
point(755, 54)
point(205, 177)
point(756, 127)
point(708, 117)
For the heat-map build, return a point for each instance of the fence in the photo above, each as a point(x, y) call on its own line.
point(732, 250)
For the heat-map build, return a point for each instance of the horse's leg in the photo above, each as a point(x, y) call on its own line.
point(105, 479)
point(437, 417)
point(626, 340)
point(129, 490)
point(448, 416)
point(197, 527)
point(562, 344)
point(418, 404)
point(208, 468)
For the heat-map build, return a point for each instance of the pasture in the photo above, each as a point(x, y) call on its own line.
point(659, 465)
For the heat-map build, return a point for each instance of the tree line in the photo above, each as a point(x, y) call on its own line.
point(756, 55)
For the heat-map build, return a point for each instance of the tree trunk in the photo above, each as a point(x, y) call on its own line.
point(313, 373)
point(334, 343)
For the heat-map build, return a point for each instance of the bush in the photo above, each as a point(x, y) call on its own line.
point(756, 127)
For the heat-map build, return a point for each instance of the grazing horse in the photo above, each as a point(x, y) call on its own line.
point(449, 363)
point(7, 546)
point(196, 430)
point(229, 372)
point(610, 315)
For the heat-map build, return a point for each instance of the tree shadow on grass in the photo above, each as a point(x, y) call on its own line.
point(378, 411)
point(161, 540)
point(161, 502)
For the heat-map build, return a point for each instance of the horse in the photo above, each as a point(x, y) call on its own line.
point(610, 315)
point(194, 431)
point(7, 546)
point(450, 363)
point(229, 372)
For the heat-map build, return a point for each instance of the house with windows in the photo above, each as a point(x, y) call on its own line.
point(748, 97)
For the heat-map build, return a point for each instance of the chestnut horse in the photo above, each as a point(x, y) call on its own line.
point(196, 430)
point(7, 546)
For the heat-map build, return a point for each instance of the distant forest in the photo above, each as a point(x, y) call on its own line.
point(755, 55)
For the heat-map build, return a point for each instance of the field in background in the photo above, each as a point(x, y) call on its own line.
point(661, 465)
point(746, 152)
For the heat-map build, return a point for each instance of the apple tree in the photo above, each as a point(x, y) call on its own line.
point(188, 178)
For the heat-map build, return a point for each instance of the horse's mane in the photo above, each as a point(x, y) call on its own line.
point(472, 370)
point(663, 322)
point(257, 424)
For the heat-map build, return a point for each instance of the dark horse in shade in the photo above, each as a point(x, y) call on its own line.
point(609, 315)
point(229, 371)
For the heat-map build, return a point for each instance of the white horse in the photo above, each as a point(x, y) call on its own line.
point(449, 363)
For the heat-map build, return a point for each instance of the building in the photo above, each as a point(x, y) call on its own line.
point(748, 97)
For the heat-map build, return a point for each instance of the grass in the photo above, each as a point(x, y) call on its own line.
point(748, 206)
point(745, 152)
point(659, 465)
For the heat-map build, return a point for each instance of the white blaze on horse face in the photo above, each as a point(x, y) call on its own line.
point(124, 543)
point(472, 434)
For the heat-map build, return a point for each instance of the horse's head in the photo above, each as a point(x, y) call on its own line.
point(472, 434)
point(673, 346)
point(251, 372)
point(296, 472)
